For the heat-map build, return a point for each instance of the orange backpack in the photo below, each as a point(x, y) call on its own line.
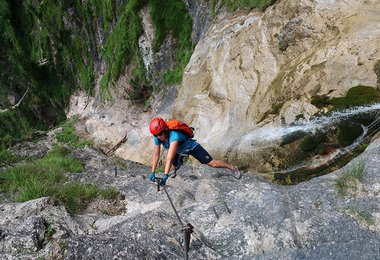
point(180, 126)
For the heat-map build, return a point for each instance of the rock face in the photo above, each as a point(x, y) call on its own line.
point(249, 70)
point(155, 63)
point(200, 14)
point(233, 219)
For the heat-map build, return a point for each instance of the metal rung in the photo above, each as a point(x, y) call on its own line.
point(222, 208)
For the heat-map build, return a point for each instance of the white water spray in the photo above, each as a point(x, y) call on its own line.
point(271, 133)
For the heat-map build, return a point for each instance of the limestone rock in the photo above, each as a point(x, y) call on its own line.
point(241, 73)
point(249, 71)
point(248, 218)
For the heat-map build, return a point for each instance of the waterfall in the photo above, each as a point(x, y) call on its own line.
point(270, 133)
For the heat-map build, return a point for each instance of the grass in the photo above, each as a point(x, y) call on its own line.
point(347, 183)
point(119, 163)
point(172, 17)
point(360, 215)
point(17, 125)
point(76, 196)
point(121, 45)
point(160, 169)
point(7, 158)
point(49, 232)
point(68, 136)
point(45, 177)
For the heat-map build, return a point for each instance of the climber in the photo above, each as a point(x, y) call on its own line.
point(178, 144)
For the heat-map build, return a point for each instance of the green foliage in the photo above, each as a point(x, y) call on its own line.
point(52, 40)
point(105, 10)
point(76, 196)
point(68, 136)
point(7, 158)
point(141, 89)
point(43, 55)
point(58, 161)
point(10, 53)
point(51, 48)
point(18, 124)
point(34, 179)
point(45, 177)
point(108, 193)
point(357, 96)
point(49, 232)
point(172, 17)
point(160, 169)
point(248, 4)
point(347, 183)
point(213, 7)
point(320, 101)
point(121, 44)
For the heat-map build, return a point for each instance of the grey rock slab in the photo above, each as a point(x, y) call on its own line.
point(233, 219)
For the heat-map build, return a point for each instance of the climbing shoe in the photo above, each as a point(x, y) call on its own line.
point(236, 173)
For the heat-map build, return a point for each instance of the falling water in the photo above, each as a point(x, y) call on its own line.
point(270, 133)
point(270, 136)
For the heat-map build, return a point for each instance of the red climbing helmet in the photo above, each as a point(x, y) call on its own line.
point(157, 125)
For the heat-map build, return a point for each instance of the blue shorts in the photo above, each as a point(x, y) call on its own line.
point(198, 153)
